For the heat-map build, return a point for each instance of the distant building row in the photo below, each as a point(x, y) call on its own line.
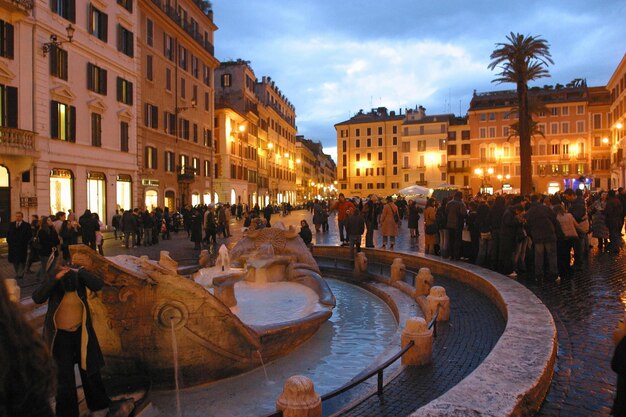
point(120, 104)
point(578, 142)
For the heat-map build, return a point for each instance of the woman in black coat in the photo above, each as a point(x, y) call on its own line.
point(305, 232)
point(48, 240)
point(510, 230)
point(196, 228)
point(414, 218)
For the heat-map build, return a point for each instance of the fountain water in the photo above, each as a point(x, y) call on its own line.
point(263, 365)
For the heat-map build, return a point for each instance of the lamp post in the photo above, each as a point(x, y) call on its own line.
point(485, 175)
point(55, 43)
point(501, 178)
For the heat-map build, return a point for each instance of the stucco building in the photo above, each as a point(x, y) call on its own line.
point(316, 172)
point(176, 157)
point(255, 132)
point(617, 123)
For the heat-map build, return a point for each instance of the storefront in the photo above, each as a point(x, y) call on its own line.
point(96, 194)
point(152, 199)
point(123, 192)
point(61, 190)
point(195, 199)
point(553, 187)
point(170, 200)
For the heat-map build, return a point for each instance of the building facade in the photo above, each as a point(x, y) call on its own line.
point(176, 156)
point(256, 138)
point(617, 122)
point(568, 119)
point(81, 68)
point(316, 172)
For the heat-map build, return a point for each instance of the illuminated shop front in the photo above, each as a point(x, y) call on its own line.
point(195, 199)
point(170, 201)
point(206, 199)
point(96, 194)
point(123, 192)
point(61, 190)
point(152, 199)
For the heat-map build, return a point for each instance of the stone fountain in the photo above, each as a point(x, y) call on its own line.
point(217, 316)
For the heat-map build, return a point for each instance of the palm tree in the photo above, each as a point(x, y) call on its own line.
point(522, 59)
point(535, 106)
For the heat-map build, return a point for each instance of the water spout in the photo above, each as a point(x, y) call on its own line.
point(175, 355)
point(263, 365)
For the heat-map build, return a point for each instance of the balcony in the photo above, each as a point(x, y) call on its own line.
point(564, 157)
point(186, 175)
point(582, 156)
point(185, 25)
point(17, 141)
point(23, 6)
point(458, 170)
point(422, 183)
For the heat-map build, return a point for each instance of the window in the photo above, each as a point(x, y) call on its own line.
point(451, 149)
point(170, 164)
point(183, 89)
point(6, 39)
point(380, 130)
point(125, 43)
point(357, 157)
point(64, 8)
point(565, 148)
point(597, 121)
point(421, 145)
point(182, 57)
point(394, 158)
point(124, 91)
point(207, 76)
point(394, 130)
point(357, 132)
point(183, 125)
point(380, 141)
point(58, 62)
point(506, 131)
point(369, 143)
point(226, 80)
point(168, 47)
point(380, 156)
point(554, 149)
point(195, 133)
point(149, 70)
point(124, 137)
point(580, 126)
point(151, 117)
point(369, 131)
point(554, 128)
point(149, 32)
point(96, 79)
point(207, 168)
point(406, 146)
point(169, 120)
point(194, 66)
point(98, 23)
point(542, 149)
point(96, 129)
point(482, 133)
point(554, 111)
point(492, 132)
point(127, 4)
point(565, 127)
point(465, 135)
point(369, 156)
point(357, 143)
point(506, 115)
point(465, 149)
point(483, 117)
point(565, 111)
point(405, 162)
point(394, 141)
point(8, 106)
point(580, 109)
point(168, 79)
point(62, 121)
point(150, 158)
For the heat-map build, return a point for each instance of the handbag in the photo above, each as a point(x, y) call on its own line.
point(35, 243)
point(431, 229)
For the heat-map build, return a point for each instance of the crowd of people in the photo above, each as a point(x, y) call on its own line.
point(548, 236)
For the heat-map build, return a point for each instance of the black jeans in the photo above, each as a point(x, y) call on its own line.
point(66, 352)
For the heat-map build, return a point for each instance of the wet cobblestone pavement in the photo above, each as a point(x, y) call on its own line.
point(585, 308)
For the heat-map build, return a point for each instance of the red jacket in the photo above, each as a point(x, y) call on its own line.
point(342, 209)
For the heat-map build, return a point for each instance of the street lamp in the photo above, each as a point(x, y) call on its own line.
point(55, 43)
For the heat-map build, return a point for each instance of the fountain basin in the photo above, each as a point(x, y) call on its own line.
point(142, 300)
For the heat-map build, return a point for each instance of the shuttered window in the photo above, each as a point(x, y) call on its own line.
point(64, 8)
point(96, 79)
point(151, 116)
point(125, 42)
point(8, 106)
point(124, 91)
point(62, 121)
point(124, 137)
point(98, 23)
point(58, 62)
point(6, 39)
point(96, 129)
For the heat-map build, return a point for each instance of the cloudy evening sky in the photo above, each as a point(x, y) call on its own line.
point(334, 57)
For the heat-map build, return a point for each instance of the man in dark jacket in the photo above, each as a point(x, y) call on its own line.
point(129, 227)
point(355, 224)
point(267, 213)
point(455, 220)
point(18, 236)
point(542, 226)
point(88, 227)
point(69, 333)
point(370, 216)
point(578, 209)
point(614, 219)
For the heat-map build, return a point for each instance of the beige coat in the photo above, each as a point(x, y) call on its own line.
point(388, 226)
point(430, 217)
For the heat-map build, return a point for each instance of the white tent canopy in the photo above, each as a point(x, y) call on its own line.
point(415, 190)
